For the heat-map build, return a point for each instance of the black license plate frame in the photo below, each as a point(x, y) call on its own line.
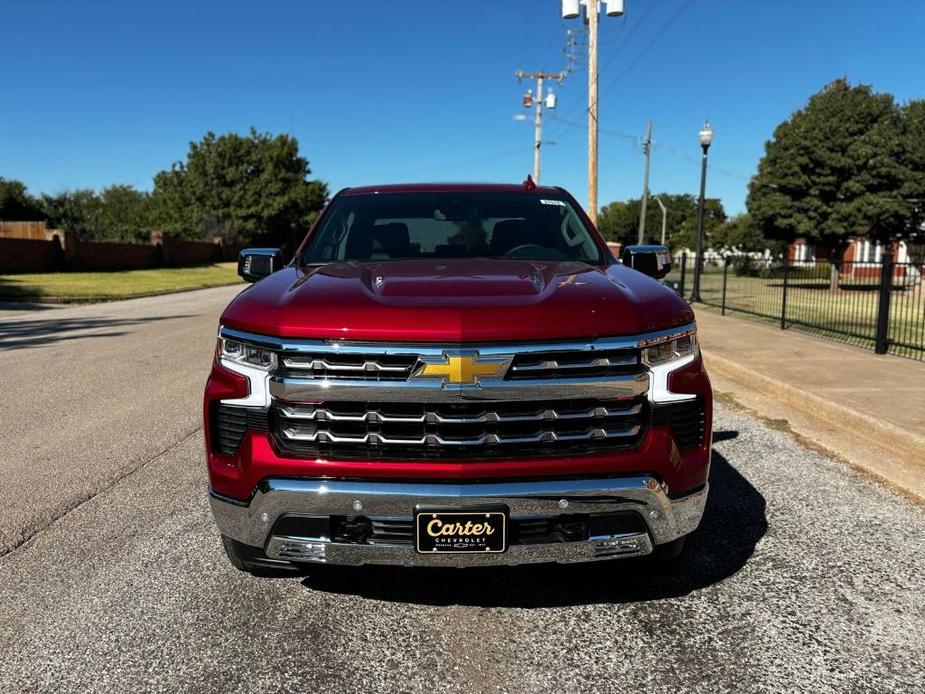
point(464, 539)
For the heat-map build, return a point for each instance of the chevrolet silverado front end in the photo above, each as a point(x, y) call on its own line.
point(454, 375)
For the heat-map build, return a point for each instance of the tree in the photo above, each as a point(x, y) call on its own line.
point(246, 189)
point(119, 213)
point(16, 205)
point(124, 214)
point(76, 211)
point(741, 234)
point(913, 189)
point(619, 221)
point(832, 171)
point(714, 215)
point(615, 220)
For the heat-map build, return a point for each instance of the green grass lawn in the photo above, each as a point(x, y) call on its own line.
point(105, 286)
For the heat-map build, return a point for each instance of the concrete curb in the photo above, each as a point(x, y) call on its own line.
point(818, 407)
point(891, 454)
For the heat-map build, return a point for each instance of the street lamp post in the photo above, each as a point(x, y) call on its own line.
point(706, 139)
point(664, 217)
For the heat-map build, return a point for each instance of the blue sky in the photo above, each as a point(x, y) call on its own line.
point(93, 93)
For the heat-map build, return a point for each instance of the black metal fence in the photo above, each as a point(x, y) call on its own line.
point(879, 305)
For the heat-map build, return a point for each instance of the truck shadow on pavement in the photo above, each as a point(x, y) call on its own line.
point(17, 306)
point(19, 334)
point(732, 525)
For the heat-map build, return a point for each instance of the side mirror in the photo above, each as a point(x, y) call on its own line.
point(654, 261)
point(256, 263)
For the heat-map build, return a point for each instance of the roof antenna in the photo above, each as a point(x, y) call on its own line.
point(529, 184)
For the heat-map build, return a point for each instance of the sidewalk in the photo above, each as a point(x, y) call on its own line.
point(864, 408)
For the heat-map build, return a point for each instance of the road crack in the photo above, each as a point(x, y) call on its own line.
point(30, 532)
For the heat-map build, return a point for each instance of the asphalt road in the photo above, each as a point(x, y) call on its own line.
point(803, 577)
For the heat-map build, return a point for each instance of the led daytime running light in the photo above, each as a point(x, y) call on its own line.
point(242, 353)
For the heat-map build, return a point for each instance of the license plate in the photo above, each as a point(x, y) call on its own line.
point(447, 531)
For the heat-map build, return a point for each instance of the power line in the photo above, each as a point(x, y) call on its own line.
point(694, 160)
point(618, 48)
point(622, 44)
point(655, 145)
point(649, 46)
point(604, 131)
point(626, 38)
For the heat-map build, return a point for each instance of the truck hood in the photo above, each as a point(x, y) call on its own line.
point(455, 301)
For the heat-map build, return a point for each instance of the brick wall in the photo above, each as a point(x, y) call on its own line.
point(178, 252)
point(103, 256)
point(30, 255)
point(30, 247)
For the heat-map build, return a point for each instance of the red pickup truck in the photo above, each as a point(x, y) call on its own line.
point(455, 375)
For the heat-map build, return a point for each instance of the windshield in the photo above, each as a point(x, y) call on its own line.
point(439, 225)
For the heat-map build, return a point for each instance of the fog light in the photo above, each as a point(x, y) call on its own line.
point(623, 544)
point(309, 551)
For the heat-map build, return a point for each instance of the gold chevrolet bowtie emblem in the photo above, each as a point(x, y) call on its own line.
point(464, 369)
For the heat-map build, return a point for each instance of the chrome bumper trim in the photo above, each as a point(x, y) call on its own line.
point(251, 523)
point(300, 549)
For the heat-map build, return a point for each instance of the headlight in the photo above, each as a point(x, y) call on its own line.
point(670, 350)
point(241, 353)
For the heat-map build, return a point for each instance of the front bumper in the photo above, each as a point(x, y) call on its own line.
point(252, 523)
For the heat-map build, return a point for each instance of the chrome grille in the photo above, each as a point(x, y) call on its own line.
point(356, 366)
point(461, 430)
point(573, 364)
point(402, 401)
point(359, 362)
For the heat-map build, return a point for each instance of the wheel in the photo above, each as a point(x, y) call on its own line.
point(670, 551)
point(252, 560)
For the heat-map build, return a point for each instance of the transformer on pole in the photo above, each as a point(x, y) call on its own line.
point(538, 103)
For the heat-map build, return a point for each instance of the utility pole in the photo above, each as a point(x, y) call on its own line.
point(647, 150)
point(537, 129)
point(571, 9)
point(591, 8)
point(538, 104)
